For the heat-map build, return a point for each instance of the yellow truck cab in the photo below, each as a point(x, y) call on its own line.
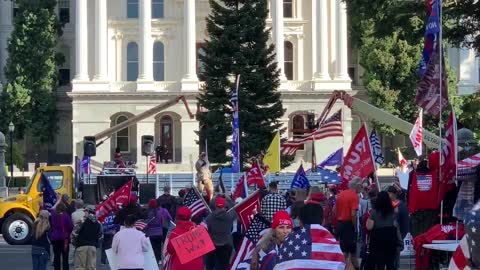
point(17, 212)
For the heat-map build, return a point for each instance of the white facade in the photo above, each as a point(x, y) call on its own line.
point(126, 56)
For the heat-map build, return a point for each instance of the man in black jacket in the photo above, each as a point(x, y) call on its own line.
point(86, 239)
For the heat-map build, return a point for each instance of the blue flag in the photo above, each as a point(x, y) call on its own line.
point(300, 179)
point(335, 159)
point(235, 130)
point(376, 148)
point(86, 165)
point(432, 31)
point(49, 195)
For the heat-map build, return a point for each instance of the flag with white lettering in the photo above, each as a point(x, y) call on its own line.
point(449, 157)
point(359, 159)
point(300, 179)
point(416, 136)
point(376, 148)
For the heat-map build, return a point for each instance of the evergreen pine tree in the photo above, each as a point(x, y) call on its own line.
point(238, 44)
point(28, 99)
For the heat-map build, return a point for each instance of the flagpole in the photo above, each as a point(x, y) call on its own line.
point(147, 163)
point(440, 55)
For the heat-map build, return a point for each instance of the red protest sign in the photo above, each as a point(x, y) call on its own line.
point(192, 244)
point(359, 158)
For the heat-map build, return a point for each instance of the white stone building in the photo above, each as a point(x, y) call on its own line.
point(126, 56)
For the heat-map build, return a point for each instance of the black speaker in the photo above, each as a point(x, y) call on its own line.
point(90, 194)
point(148, 146)
point(147, 192)
point(89, 146)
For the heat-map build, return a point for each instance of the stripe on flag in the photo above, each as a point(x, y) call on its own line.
point(152, 165)
point(195, 203)
point(332, 127)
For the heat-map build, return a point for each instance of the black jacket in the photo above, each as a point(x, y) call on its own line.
point(89, 233)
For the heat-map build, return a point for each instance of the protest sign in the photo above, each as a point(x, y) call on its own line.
point(192, 244)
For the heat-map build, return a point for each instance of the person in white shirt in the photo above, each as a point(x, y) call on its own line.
point(129, 244)
point(402, 172)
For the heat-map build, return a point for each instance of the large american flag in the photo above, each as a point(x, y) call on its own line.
point(152, 165)
point(258, 227)
point(310, 247)
point(195, 203)
point(332, 127)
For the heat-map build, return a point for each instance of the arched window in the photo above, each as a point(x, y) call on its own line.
point(166, 135)
point(298, 127)
point(158, 7)
point(158, 61)
point(123, 136)
point(132, 61)
point(132, 9)
point(288, 8)
point(288, 64)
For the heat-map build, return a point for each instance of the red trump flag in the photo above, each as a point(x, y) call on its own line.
point(449, 157)
point(120, 197)
point(359, 159)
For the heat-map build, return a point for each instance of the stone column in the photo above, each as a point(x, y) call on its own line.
point(3, 146)
point(101, 40)
point(190, 79)
point(146, 47)
point(5, 29)
point(300, 59)
point(278, 38)
point(321, 21)
point(341, 72)
point(118, 56)
point(81, 41)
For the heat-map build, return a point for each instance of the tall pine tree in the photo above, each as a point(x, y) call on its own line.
point(28, 100)
point(238, 44)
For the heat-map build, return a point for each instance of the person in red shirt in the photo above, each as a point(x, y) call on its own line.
point(183, 225)
point(346, 208)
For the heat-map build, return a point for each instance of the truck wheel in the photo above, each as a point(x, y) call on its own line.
point(17, 229)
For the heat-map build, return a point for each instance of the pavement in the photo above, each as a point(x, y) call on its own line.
point(20, 258)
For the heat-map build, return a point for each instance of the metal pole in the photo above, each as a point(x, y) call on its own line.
point(146, 167)
point(440, 55)
point(11, 159)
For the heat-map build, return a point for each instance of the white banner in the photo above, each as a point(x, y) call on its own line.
point(416, 136)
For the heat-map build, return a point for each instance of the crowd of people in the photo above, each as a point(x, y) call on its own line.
point(367, 222)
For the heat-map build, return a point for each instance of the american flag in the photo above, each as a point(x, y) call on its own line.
point(152, 165)
point(332, 127)
point(195, 203)
point(140, 224)
point(258, 227)
point(310, 247)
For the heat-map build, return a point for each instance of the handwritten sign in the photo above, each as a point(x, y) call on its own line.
point(192, 244)
point(408, 249)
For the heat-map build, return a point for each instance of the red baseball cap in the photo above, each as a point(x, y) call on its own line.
point(220, 202)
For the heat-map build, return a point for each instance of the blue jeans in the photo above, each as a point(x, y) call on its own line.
point(39, 262)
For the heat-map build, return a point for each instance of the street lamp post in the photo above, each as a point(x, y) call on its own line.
point(11, 129)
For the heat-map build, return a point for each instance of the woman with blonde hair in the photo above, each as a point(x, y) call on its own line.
point(40, 241)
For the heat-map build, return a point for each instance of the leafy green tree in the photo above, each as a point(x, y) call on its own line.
point(28, 99)
point(463, 18)
point(238, 45)
point(389, 38)
point(471, 113)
